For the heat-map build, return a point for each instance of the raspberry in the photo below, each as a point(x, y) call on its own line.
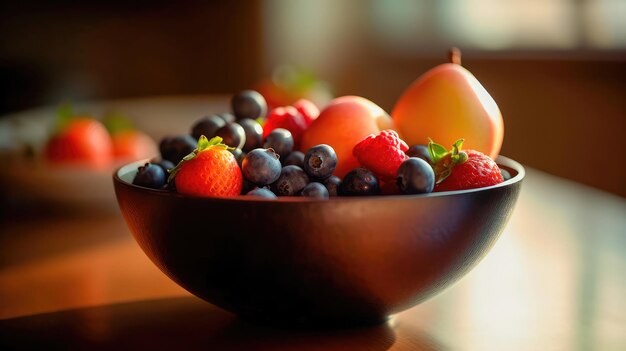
point(382, 153)
point(308, 110)
point(287, 117)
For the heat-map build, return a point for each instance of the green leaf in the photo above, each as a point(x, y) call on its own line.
point(456, 147)
point(65, 113)
point(203, 143)
point(117, 122)
point(436, 151)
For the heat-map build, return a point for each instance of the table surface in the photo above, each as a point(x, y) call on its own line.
point(556, 280)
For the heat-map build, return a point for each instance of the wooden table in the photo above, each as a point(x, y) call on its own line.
point(73, 278)
point(556, 280)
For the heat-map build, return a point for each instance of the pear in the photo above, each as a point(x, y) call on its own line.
point(448, 103)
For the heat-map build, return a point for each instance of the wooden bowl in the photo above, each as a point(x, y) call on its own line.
point(295, 261)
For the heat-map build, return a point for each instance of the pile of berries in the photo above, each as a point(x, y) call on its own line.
point(255, 153)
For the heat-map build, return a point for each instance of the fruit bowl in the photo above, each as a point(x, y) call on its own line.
point(295, 261)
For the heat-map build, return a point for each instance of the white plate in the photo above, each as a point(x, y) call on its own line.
point(32, 178)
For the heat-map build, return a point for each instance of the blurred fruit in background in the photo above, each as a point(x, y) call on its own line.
point(81, 139)
point(289, 84)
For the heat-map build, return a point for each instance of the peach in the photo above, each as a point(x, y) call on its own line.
point(343, 123)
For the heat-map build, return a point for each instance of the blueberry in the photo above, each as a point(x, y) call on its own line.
point(295, 158)
point(415, 176)
point(239, 155)
point(174, 148)
point(359, 182)
point(291, 181)
point(248, 104)
point(261, 166)
point(320, 161)
point(505, 174)
point(420, 151)
point(262, 192)
point(280, 140)
point(227, 117)
point(332, 184)
point(315, 190)
point(233, 135)
point(254, 133)
point(150, 176)
point(207, 126)
point(165, 164)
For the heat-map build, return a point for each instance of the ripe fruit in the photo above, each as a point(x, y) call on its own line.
point(447, 103)
point(419, 151)
point(332, 184)
point(207, 126)
point(254, 134)
point(233, 135)
point(360, 182)
point(288, 118)
point(174, 148)
point(261, 166)
point(280, 140)
point(458, 170)
point(150, 175)
point(382, 153)
point(415, 176)
point(315, 190)
point(291, 181)
point(248, 104)
point(164, 164)
point(133, 145)
point(294, 158)
point(262, 192)
point(82, 141)
point(307, 109)
point(211, 170)
point(342, 124)
point(320, 161)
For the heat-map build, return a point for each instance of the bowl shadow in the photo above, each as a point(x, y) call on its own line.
point(188, 323)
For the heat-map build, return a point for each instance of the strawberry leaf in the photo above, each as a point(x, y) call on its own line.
point(117, 122)
point(65, 113)
point(445, 160)
point(436, 151)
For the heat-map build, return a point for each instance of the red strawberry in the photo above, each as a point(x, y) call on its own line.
point(308, 110)
point(458, 170)
point(82, 140)
point(287, 117)
point(382, 153)
point(210, 170)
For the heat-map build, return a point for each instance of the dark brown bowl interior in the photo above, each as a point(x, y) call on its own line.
point(346, 261)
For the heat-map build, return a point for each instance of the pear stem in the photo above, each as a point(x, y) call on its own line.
point(454, 56)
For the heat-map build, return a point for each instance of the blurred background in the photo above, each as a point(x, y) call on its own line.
point(557, 68)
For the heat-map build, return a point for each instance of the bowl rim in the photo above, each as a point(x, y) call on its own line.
point(501, 160)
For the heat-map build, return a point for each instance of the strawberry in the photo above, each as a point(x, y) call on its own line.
point(210, 170)
point(287, 117)
point(81, 140)
point(382, 153)
point(458, 170)
point(308, 110)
